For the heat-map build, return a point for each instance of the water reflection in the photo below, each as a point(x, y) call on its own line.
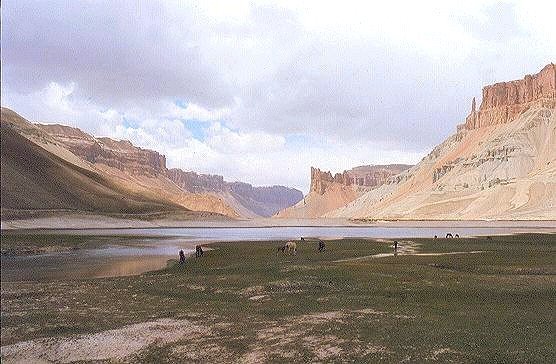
point(149, 249)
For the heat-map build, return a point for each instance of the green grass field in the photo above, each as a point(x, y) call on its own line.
point(496, 305)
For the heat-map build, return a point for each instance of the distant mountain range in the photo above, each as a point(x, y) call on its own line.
point(500, 164)
point(49, 168)
point(329, 192)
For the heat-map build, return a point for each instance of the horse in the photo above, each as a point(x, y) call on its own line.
point(457, 235)
point(199, 251)
point(290, 247)
point(449, 235)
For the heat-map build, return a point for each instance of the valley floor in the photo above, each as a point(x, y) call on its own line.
point(72, 220)
point(438, 300)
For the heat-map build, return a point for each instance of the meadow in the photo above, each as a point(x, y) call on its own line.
point(439, 300)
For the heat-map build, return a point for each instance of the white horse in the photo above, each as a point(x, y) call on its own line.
point(291, 247)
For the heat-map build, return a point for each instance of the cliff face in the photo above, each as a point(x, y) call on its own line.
point(265, 201)
point(197, 183)
point(369, 177)
point(329, 192)
point(262, 201)
point(505, 101)
point(320, 180)
point(501, 164)
point(118, 154)
point(124, 156)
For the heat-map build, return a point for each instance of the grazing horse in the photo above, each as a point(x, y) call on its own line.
point(291, 247)
point(449, 235)
point(199, 251)
point(457, 235)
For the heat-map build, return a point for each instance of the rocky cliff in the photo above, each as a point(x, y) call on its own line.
point(320, 180)
point(266, 200)
point(329, 192)
point(195, 182)
point(505, 101)
point(118, 154)
point(367, 177)
point(246, 200)
point(500, 164)
point(255, 201)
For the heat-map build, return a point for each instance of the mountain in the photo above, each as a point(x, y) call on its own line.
point(247, 200)
point(143, 172)
point(500, 164)
point(329, 192)
point(35, 178)
point(242, 198)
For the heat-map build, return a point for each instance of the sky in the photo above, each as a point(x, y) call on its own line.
point(259, 91)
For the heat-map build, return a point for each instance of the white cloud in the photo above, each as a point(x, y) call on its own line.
point(360, 81)
point(225, 140)
point(196, 112)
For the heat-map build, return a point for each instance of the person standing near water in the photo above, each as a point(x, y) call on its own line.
point(182, 257)
point(395, 247)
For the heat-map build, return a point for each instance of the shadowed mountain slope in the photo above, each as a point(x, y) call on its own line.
point(35, 179)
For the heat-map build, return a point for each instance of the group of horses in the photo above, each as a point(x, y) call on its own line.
point(291, 247)
point(448, 236)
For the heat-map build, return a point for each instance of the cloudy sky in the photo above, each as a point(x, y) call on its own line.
point(260, 91)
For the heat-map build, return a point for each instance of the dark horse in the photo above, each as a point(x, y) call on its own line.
point(182, 257)
point(449, 235)
point(199, 251)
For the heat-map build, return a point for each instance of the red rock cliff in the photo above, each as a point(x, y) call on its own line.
point(504, 101)
point(118, 154)
point(321, 180)
point(363, 176)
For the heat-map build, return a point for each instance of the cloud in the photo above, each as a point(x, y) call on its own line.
point(225, 87)
point(225, 140)
point(196, 112)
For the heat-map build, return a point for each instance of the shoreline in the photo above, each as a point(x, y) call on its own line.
point(96, 222)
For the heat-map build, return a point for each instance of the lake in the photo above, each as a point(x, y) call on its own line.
point(150, 249)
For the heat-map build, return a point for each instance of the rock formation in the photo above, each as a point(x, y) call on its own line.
point(261, 201)
point(321, 180)
point(118, 154)
point(245, 199)
point(197, 183)
point(368, 177)
point(500, 164)
point(504, 101)
point(329, 192)
point(264, 201)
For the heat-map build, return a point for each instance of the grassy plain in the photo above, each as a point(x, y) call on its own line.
point(492, 301)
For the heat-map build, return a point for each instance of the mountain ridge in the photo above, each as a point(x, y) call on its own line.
point(144, 171)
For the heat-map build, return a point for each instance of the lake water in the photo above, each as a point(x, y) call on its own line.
point(150, 249)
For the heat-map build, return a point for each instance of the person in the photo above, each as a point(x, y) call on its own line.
point(182, 257)
point(395, 246)
point(436, 236)
point(322, 246)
